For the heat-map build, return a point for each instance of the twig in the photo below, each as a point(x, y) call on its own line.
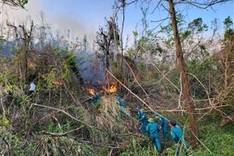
point(3, 111)
point(60, 134)
point(8, 146)
point(101, 145)
point(72, 96)
point(62, 111)
point(196, 109)
point(87, 99)
point(135, 79)
point(179, 90)
point(202, 143)
point(203, 87)
point(207, 93)
point(164, 76)
point(110, 153)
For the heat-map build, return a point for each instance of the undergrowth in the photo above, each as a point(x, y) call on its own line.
point(216, 142)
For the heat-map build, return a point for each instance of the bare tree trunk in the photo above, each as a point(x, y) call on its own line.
point(27, 36)
point(185, 83)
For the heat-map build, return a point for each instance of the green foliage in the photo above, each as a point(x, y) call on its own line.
point(185, 34)
point(202, 71)
point(142, 66)
point(12, 144)
point(1, 78)
point(197, 25)
point(4, 121)
point(197, 67)
point(147, 44)
point(68, 64)
point(2, 41)
point(228, 22)
point(139, 147)
point(56, 127)
point(218, 141)
point(166, 29)
point(23, 2)
point(52, 146)
point(135, 33)
point(62, 66)
point(116, 69)
point(229, 35)
point(49, 77)
point(229, 32)
point(18, 3)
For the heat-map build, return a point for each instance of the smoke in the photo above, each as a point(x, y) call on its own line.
point(59, 22)
point(21, 15)
point(75, 28)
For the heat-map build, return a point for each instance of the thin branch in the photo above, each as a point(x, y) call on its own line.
point(14, 3)
point(203, 5)
point(7, 144)
point(211, 104)
point(202, 144)
point(164, 76)
point(72, 117)
point(135, 79)
point(181, 91)
point(60, 134)
point(62, 111)
point(134, 94)
point(196, 109)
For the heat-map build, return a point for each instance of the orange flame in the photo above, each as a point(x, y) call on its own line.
point(57, 82)
point(111, 89)
point(31, 64)
point(91, 91)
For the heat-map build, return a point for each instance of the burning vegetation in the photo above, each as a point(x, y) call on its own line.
point(56, 120)
point(91, 91)
point(111, 88)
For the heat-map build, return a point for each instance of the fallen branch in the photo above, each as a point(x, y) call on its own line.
point(164, 76)
point(87, 99)
point(101, 145)
point(60, 134)
point(133, 93)
point(62, 111)
point(196, 109)
point(135, 79)
point(76, 100)
point(69, 115)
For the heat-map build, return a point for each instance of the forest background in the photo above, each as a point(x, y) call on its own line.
point(172, 66)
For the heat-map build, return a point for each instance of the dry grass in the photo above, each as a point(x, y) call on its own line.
point(110, 114)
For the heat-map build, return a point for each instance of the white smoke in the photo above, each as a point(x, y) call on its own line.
point(59, 22)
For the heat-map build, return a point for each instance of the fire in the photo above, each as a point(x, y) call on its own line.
point(57, 82)
point(91, 91)
point(111, 89)
point(31, 64)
